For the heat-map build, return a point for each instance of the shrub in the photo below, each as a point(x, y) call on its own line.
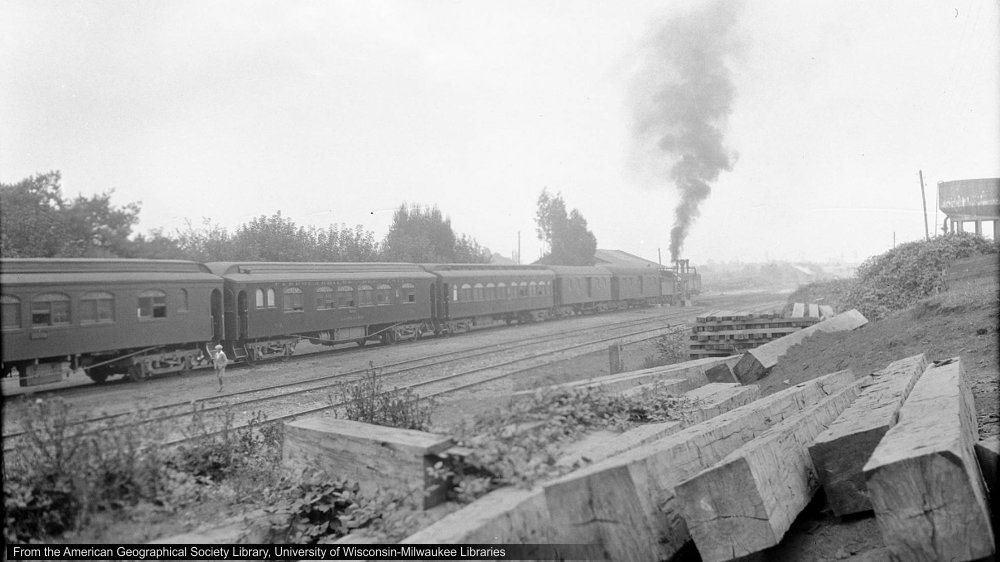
point(64, 472)
point(670, 348)
point(909, 272)
point(368, 401)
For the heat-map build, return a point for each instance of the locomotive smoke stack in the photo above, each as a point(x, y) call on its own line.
point(682, 96)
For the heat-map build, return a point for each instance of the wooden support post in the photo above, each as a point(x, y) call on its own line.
point(758, 361)
point(615, 358)
point(749, 500)
point(924, 481)
point(626, 503)
point(841, 451)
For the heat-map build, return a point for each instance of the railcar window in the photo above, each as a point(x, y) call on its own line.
point(491, 291)
point(409, 292)
point(501, 290)
point(259, 298)
point(532, 289)
point(366, 296)
point(50, 309)
point(325, 299)
point(183, 305)
point(454, 293)
point(524, 289)
point(477, 292)
point(270, 298)
point(10, 312)
point(292, 298)
point(97, 308)
point(345, 296)
point(383, 294)
point(152, 304)
point(466, 292)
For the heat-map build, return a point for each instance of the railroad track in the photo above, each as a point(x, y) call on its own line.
point(90, 389)
point(306, 391)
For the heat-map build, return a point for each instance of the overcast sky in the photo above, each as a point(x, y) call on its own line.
point(337, 111)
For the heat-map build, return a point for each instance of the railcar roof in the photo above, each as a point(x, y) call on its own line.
point(255, 267)
point(109, 278)
point(255, 272)
point(86, 265)
point(541, 274)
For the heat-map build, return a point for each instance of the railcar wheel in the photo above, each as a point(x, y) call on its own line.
point(98, 377)
point(251, 357)
point(137, 372)
point(362, 342)
point(286, 352)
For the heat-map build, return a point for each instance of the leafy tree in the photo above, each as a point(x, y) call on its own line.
point(569, 240)
point(38, 222)
point(424, 235)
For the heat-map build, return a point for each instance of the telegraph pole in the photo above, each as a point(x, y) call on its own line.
point(927, 232)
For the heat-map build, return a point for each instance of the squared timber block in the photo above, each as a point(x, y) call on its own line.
point(841, 451)
point(662, 386)
point(758, 362)
point(377, 457)
point(506, 515)
point(707, 402)
point(923, 478)
point(626, 503)
point(747, 502)
point(716, 398)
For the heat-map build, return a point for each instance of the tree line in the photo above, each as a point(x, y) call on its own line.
point(37, 220)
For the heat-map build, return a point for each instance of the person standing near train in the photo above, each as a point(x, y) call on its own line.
point(219, 361)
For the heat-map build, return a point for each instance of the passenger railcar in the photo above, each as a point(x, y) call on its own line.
point(107, 316)
point(634, 286)
point(581, 289)
point(270, 306)
point(476, 295)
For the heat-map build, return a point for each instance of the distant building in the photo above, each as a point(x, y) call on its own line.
point(968, 204)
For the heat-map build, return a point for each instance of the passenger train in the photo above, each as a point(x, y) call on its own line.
point(144, 317)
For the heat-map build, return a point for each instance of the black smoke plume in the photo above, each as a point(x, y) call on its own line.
point(682, 95)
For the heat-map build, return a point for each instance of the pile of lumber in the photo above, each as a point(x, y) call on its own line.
point(899, 442)
point(721, 332)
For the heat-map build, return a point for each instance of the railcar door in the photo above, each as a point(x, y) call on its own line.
point(218, 328)
point(229, 313)
point(242, 311)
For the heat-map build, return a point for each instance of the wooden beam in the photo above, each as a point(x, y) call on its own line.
point(841, 451)
point(924, 480)
point(507, 515)
point(758, 361)
point(708, 401)
point(626, 503)
point(748, 501)
point(375, 456)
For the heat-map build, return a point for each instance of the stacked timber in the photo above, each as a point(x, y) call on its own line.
point(626, 503)
point(619, 503)
point(721, 332)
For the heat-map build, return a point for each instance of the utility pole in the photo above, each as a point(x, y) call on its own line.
point(659, 257)
point(518, 247)
point(927, 232)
